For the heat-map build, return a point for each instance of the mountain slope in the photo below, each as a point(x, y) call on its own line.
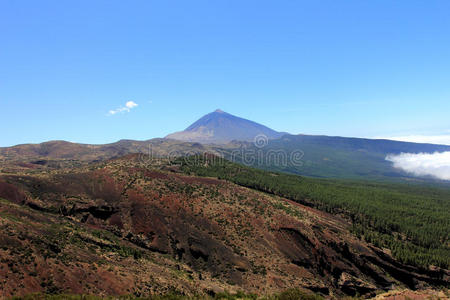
point(334, 157)
point(222, 127)
point(123, 227)
point(413, 220)
point(321, 156)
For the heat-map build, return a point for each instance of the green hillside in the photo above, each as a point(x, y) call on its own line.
point(331, 157)
point(412, 220)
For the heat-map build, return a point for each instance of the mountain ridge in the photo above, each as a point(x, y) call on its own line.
point(222, 133)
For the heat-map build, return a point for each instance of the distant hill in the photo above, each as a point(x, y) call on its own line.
point(62, 150)
point(222, 133)
point(222, 127)
point(337, 157)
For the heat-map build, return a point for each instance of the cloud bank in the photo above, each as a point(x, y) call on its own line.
point(127, 108)
point(423, 164)
point(428, 139)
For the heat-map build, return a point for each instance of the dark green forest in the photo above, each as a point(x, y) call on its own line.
point(412, 220)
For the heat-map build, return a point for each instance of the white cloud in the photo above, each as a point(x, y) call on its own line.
point(423, 164)
point(429, 139)
point(127, 108)
point(131, 104)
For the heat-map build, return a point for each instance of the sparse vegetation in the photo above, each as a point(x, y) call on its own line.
point(410, 219)
point(291, 294)
point(142, 230)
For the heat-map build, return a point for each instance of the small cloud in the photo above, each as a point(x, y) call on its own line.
point(423, 164)
point(127, 108)
point(131, 104)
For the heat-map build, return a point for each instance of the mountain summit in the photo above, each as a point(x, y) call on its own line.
point(222, 127)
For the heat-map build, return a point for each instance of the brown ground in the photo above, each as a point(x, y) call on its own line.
point(120, 227)
point(413, 295)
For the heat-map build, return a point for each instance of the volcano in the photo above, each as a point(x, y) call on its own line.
point(221, 127)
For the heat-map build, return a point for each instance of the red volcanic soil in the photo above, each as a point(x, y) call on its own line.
point(119, 228)
point(11, 193)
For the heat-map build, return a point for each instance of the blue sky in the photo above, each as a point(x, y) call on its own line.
point(350, 68)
